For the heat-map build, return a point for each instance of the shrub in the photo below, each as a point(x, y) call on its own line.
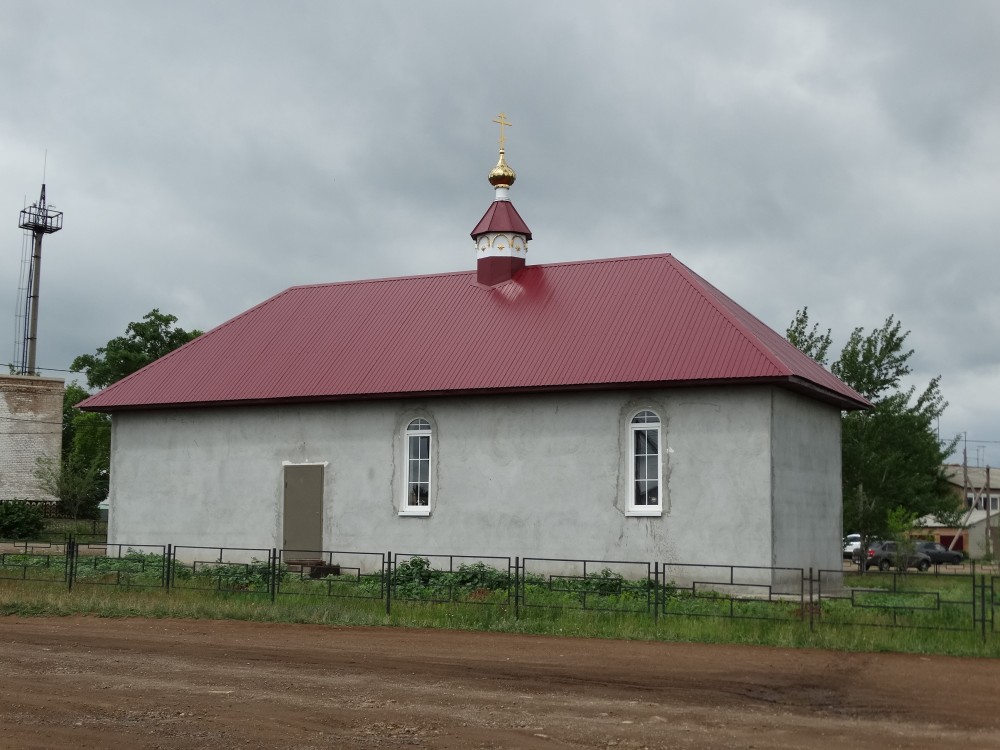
point(252, 576)
point(416, 579)
point(481, 576)
point(18, 520)
point(416, 572)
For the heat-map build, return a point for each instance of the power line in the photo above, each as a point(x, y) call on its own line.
point(29, 421)
point(58, 369)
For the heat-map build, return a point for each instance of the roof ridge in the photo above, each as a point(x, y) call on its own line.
point(470, 272)
point(595, 261)
point(760, 342)
point(379, 280)
point(750, 337)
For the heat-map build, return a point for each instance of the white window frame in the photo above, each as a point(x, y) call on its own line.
point(418, 427)
point(633, 428)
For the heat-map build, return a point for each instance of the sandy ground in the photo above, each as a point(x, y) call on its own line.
point(81, 682)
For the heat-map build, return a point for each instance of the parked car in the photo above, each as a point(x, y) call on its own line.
point(883, 555)
point(939, 554)
point(851, 542)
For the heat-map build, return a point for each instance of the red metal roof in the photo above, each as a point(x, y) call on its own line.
point(639, 321)
point(501, 216)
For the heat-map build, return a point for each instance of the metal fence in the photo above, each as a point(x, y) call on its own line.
point(740, 592)
point(597, 585)
point(949, 602)
point(959, 602)
point(331, 573)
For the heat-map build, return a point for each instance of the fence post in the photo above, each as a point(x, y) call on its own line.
point(811, 609)
point(982, 605)
point(167, 566)
point(974, 593)
point(656, 592)
point(388, 583)
point(517, 587)
point(275, 572)
point(70, 561)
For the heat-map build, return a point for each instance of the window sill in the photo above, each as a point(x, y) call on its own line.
point(416, 512)
point(644, 512)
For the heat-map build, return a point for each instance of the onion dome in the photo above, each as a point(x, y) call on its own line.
point(501, 236)
point(502, 175)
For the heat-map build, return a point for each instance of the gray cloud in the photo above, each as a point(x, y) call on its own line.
point(841, 155)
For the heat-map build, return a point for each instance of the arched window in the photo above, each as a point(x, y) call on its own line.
point(417, 460)
point(646, 472)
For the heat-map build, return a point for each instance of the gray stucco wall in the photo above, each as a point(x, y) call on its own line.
point(540, 475)
point(807, 511)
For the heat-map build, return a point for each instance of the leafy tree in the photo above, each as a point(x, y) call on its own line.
point(79, 487)
point(949, 516)
point(892, 458)
point(875, 363)
point(144, 341)
point(80, 479)
point(19, 520)
point(900, 524)
point(809, 340)
point(72, 395)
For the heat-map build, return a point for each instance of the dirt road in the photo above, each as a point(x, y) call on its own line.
point(92, 683)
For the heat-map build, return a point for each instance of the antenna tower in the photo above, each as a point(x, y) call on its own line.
point(36, 220)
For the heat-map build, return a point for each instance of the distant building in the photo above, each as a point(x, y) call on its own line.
point(30, 431)
point(619, 409)
point(977, 494)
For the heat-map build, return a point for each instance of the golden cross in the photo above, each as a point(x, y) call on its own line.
point(502, 121)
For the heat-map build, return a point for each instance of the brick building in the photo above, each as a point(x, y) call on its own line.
point(30, 429)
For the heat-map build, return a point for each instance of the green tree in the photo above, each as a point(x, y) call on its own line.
point(892, 457)
point(80, 479)
point(72, 395)
point(19, 520)
point(809, 340)
point(900, 525)
point(144, 342)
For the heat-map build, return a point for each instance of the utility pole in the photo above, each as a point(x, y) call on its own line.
point(965, 472)
point(989, 530)
point(965, 493)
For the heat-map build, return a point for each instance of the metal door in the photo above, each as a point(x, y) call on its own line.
point(302, 526)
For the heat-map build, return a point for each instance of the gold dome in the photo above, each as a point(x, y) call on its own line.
point(502, 175)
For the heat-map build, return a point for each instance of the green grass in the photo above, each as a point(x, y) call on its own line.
point(915, 613)
point(38, 600)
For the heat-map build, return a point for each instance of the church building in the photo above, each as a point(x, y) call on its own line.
point(616, 409)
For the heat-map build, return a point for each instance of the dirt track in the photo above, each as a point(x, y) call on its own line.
point(92, 683)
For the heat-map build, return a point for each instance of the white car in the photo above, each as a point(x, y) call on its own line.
point(851, 543)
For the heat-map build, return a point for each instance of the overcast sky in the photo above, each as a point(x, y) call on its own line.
point(843, 156)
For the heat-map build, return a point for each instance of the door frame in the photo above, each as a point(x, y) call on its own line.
point(285, 465)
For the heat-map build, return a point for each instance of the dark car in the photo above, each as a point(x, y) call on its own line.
point(883, 555)
point(939, 554)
